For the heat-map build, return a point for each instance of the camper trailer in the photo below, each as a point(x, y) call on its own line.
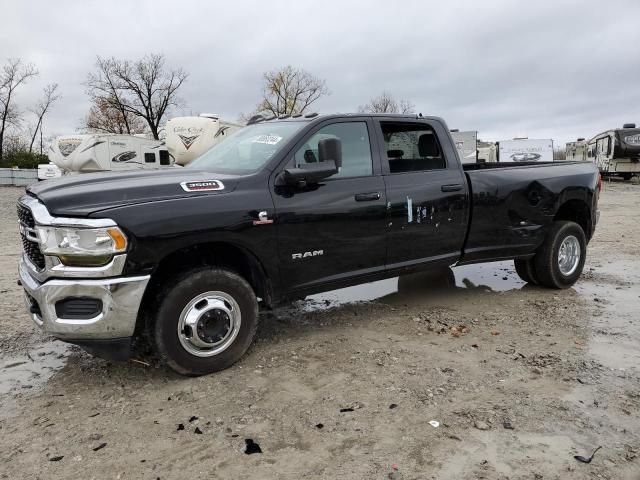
point(616, 152)
point(189, 137)
point(576, 151)
point(107, 152)
point(522, 149)
point(466, 144)
point(48, 171)
point(487, 152)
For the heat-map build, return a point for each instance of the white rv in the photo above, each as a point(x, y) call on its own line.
point(466, 144)
point(576, 151)
point(189, 137)
point(487, 152)
point(616, 152)
point(107, 152)
point(525, 150)
point(47, 171)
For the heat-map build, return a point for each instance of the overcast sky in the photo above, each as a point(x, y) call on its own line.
point(556, 69)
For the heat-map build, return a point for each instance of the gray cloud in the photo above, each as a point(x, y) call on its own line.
point(562, 69)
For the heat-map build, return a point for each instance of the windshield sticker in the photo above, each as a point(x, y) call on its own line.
point(267, 139)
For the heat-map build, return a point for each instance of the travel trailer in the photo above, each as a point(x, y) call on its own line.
point(576, 151)
point(466, 144)
point(616, 152)
point(524, 149)
point(189, 137)
point(487, 152)
point(107, 152)
point(47, 171)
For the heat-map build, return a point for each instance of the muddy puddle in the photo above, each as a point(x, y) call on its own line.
point(33, 368)
point(490, 277)
point(614, 290)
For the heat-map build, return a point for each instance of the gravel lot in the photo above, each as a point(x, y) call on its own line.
point(519, 380)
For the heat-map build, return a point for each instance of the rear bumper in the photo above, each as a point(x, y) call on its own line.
point(119, 297)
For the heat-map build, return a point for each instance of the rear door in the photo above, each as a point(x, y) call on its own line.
point(335, 230)
point(426, 190)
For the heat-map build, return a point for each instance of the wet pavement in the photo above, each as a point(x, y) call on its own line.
point(492, 277)
point(33, 368)
point(473, 348)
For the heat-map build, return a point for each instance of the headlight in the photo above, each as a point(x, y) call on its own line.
point(85, 247)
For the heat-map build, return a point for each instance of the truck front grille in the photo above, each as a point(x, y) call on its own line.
point(31, 248)
point(25, 216)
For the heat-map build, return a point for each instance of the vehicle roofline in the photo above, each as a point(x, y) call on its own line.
point(333, 116)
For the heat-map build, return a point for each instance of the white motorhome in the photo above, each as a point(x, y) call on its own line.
point(524, 149)
point(108, 152)
point(576, 151)
point(466, 144)
point(189, 137)
point(617, 151)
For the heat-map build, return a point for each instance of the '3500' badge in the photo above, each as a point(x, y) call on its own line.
point(202, 186)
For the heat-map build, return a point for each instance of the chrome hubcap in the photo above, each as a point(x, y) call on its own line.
point(209, 324)
point(569, 255)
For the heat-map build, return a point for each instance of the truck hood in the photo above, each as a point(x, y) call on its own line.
point(83, 194)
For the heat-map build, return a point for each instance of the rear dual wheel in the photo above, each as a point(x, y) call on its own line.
point(526, 270)
point(559, 261)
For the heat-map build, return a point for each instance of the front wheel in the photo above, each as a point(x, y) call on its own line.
point(560, 260)
point(205, 321)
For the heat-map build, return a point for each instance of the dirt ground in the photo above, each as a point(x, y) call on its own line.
point(350, 384)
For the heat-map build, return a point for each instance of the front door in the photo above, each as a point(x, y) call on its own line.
point(426, 194)
point(337, 228)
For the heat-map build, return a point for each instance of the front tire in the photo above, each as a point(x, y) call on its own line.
point(560, 260)
point(205, 322)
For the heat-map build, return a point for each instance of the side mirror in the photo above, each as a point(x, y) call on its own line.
point(329, 163)
point(330, 149)
point(307, 174)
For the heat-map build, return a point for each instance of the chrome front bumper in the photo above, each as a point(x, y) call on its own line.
point(120, 297)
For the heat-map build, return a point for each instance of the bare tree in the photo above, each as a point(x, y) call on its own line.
point(14, 74)
point(289, 91)
point(103, 117)
point(49, 97)
point(559, 153)
point(143, 88)
point(386, 103)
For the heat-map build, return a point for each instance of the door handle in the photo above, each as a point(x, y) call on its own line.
point(454, 187)
point(367, 197)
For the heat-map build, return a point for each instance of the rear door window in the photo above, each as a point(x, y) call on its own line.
point(411, 147)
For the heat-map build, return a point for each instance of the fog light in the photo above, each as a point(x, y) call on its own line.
point(78, 308)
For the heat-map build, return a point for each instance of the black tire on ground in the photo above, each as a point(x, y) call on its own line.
point(526, 270)
point(175, 297)
point(546, 265)
point(627, 176)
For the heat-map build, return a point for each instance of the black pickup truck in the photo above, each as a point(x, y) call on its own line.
point(283, 208)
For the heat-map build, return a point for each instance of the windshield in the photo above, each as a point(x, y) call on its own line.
point(248, 149)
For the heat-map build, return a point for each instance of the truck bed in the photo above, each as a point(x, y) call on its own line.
point(513, 203)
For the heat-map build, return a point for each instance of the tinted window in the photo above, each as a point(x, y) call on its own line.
point(356, 150)
point(164, 157)
point(149, 157)
point(411, 147)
